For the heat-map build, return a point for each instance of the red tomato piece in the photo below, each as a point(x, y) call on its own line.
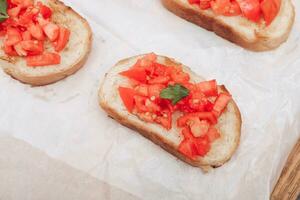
point(220, 7)
point(14, 12)
point(194, 1)
point(42, 22)
point(20, 51)
point(159, 80)
point(202, 145)
point(199, 128)
point(63, 38)
point(43, 60)
point(182, 121)
point(142, 90)
point(26, 35)
point(221, 103)
point(151, 57)
point(33, 47)
point(13, 36)
point(36, 31)
point(234, 9)
point(165, 120)
point(151, 106)
point(209, 88)
point(127, 95)
point(270, 9)
point(213, 134)
point(140, 103)
point(51, 30)
point(188, 149)
point(180, 77)
point(250, 9)
point(9, 50)
point(23, 3)
point(28, 16)
point(45, 11)
point(205, 5)
point(138, 74)
point(154, 90)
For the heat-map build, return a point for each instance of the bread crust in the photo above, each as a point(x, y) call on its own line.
point(261, 43)
point(54, 77)
point(162, 142)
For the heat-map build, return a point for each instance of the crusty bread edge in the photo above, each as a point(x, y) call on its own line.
point(54, 77)
point(148, 133)
point(209, 23)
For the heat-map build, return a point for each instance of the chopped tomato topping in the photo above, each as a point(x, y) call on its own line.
point(250, 9)
point(36, 31)
point(155, 87)
point(63, 38)
point(138, 74)
point(13, 36)
point(127, 97)
point(253, 10)
point(221, 104)
point(26, 30)
point(270, 9)
point(43, 60)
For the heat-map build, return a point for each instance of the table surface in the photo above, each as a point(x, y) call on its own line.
point(288, 186)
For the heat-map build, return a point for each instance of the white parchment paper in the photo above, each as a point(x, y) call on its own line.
point(64, 119)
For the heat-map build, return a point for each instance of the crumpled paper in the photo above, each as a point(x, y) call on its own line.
point(65, 121)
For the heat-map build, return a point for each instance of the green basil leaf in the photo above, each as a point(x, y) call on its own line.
point(3, 10)
point(174, 93)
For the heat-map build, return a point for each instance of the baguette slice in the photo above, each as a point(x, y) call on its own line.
point(73, 56)
point(229, 123)
point(237, 29)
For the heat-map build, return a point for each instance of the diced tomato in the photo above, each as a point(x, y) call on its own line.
point(142, 90)
point(140, 103)
point(13, 36)
point(23, 3)
point(234, 9)
point(165, 120)
point(270, 9)
point(205, 5)
point(14, 12)
point(63, 38)
point(127, 95)
point(209, 88)
point(159, 80)
point(221, 103)
point(52, 31)
point(213, 134)
point(147, 116)
point(27, 17)
point(220, 7)
point(45, 11)
point(194, 1)
point(36, 31)
point(43, 60)
point(20, 51)
point(182, 121)
point(200, 128)
point(188, 149)
point(42, 22)
point(202, 146)
point(155, 90)
point(34, 47)
point(26, 35)
point(250, 9)
point(138, 74)
point(151, 106)
point(9, 50)
point(180, 77)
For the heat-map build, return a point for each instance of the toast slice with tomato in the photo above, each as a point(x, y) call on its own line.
point(115, 97)
point(257, 25)
point(61, 57)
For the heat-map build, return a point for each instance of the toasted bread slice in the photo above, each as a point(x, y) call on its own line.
point(73, 56)
point(238, 29)
point(229, 123)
